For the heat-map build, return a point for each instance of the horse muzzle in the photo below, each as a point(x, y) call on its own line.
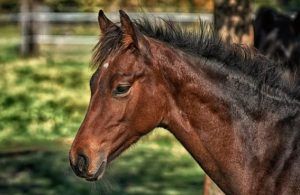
point(84, 167)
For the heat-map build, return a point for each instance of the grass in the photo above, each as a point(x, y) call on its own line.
point(42, 103)
point(151, 167)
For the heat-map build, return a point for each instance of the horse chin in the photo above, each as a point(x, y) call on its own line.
point(100, 172)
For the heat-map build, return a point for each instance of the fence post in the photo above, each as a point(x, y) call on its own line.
point(29, 45)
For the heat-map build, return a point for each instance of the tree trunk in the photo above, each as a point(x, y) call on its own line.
point(233, 20)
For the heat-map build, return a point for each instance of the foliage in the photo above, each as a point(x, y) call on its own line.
point(290, 5)
point(63, 5)
point(293, 5)
point(8, 6)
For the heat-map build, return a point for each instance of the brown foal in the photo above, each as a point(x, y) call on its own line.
point(220, 101)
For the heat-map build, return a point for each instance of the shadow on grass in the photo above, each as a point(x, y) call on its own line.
point(143, 170)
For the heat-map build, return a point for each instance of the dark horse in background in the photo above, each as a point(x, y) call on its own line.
point(226, 104)
point(277, 36)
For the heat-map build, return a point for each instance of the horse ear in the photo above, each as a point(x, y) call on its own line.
point(297, 23)
point(266, 17)
point(104, 22)
point(131, 33)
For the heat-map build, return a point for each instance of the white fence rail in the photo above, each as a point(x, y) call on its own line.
point(92, 17)
point(45, 18)
point(34, 25)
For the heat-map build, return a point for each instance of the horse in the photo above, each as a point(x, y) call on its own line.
point(277, 36)
point(225, 103)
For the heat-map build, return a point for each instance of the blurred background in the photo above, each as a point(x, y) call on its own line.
point(45, 51)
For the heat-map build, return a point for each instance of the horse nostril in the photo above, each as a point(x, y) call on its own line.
point(81, 166)
point(81, 163)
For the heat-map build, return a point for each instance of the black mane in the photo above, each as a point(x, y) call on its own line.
point(203, 42)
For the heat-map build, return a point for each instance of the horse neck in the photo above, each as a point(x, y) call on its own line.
point(211, 125)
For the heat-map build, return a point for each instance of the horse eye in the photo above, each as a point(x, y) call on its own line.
point(122, 89)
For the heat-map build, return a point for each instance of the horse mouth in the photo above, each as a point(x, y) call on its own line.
point(100, 172)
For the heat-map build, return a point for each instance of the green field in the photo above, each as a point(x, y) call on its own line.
point(42, 103)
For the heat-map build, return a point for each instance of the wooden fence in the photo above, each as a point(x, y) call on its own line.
point(33, 25)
